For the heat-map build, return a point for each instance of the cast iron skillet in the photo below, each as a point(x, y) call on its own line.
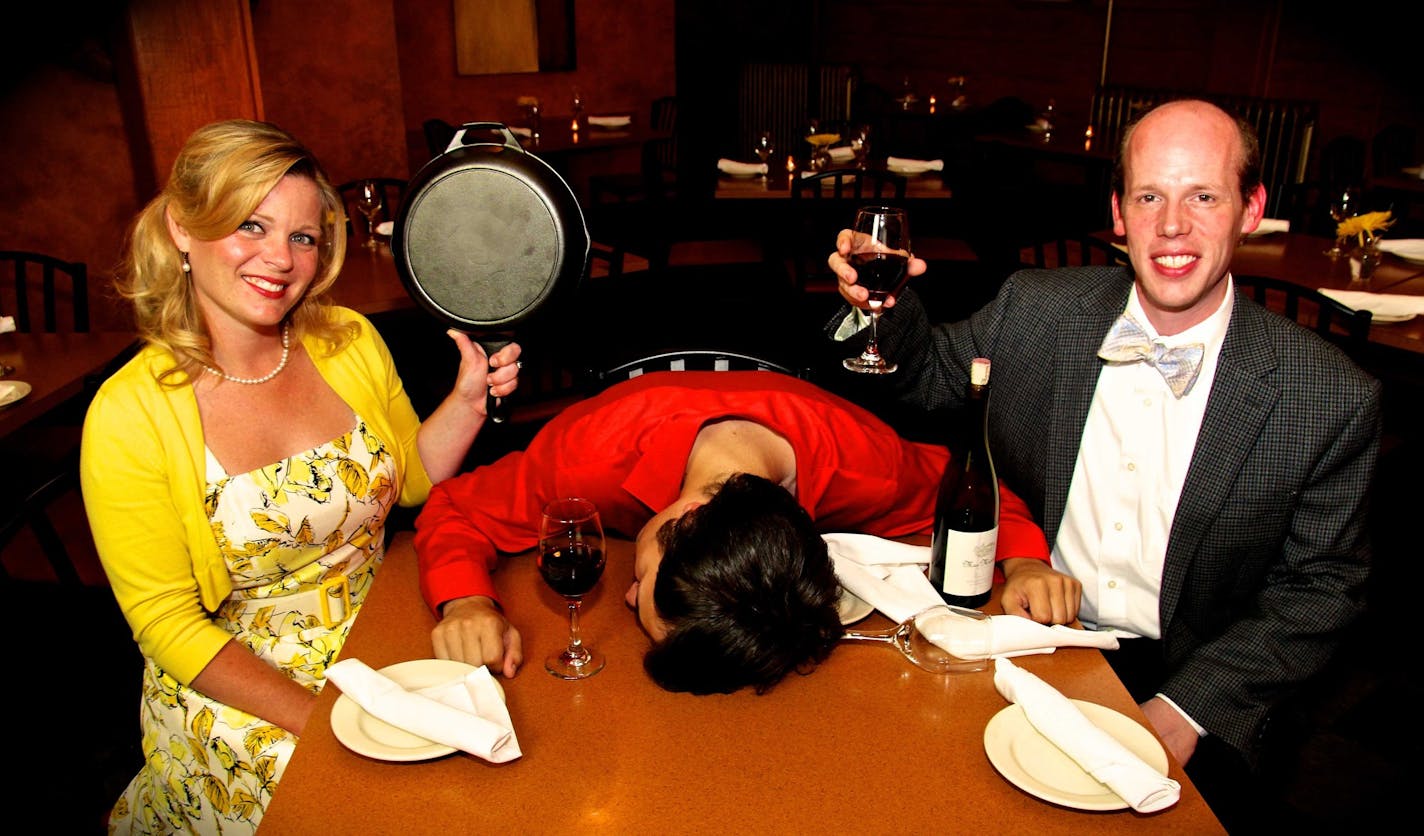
point(489, 236)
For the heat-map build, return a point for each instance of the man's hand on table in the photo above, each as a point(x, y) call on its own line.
point(474, 631)
point(1033, 589)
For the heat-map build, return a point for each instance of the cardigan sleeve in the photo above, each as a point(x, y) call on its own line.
point(143, 509)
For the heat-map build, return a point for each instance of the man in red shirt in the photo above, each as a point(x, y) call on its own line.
point(725, 479)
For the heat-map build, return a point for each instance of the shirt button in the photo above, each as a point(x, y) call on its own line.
point(1146, 401)
point(1117, 526)
point(1131, 466)
point(1112, 584)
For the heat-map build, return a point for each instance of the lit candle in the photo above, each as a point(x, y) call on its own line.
point(932, 104)
point(1088, 139)
point(573, 126)
point(790, 164)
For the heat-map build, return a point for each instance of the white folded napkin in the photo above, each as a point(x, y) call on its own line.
point(467, 713)
point(1379, 304)
point(841, 153)
point(889, 575)
point(905, 164)
point(7, 324)
point(1407, 248)
point(1097, 752)
point(386, 228)
point(518, 130)
point(727, 166)
point(610, 121)
point(1269, 226)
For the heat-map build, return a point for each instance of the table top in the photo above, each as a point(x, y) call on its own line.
point(369, 282)
point(55, 366)
point(867, 742)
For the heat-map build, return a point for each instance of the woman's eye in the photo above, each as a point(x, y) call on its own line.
point(304, 239)
point(250, 226)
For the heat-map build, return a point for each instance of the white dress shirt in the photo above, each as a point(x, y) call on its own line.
point(1137, 445)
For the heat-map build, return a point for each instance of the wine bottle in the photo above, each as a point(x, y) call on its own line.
point(966, 530)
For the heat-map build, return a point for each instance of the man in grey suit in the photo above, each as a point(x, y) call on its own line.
point(1200, 464)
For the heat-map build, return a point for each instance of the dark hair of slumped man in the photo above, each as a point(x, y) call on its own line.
point(748, 589)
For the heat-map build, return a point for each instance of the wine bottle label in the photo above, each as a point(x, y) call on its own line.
point(969, 561)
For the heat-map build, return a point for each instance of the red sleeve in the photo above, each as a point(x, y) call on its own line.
point(469, 520)
point(1019, 535)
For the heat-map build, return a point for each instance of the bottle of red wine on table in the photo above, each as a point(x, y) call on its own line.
point(966, 530)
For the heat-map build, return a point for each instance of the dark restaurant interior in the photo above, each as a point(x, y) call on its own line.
point(97, 97)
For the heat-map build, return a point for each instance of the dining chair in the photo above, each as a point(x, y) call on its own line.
point(33, 272)
point(1072, 252)
point(689, 360)
point(29, 508)
point(438, 134)
point(1312, 309)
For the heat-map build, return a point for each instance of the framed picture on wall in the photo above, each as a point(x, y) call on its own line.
point(513, 36)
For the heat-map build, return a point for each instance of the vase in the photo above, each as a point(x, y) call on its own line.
point(1364, 258)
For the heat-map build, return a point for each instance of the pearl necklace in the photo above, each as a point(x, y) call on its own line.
point(253, 381)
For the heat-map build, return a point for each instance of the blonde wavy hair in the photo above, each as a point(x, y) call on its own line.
point(224, 171)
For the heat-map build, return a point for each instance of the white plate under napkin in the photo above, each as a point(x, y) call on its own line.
point(12, 390)
point(1384, 307)
point(1145, 787)
point(1409, 249)
point(421, 709)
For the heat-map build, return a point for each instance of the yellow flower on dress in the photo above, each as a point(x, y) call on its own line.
point(1368, 225)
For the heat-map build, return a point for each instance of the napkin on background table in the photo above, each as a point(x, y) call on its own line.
point(1271, 225)
point(468, 713)
point(518, 130)
point(1407, 248)
point(727, 166)
point(906, 164)
point(841, 153)
point(610, 121)
point(7, 324)
point(1097, 752)
point(889, 575)
point(1379, 304)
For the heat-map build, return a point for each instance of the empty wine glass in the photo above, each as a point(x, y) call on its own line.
point(860, 145)
point(880, 254)
point(940, 639)
point(1344, 203)
point(765, 147)
point(369, 203)
point(571, 562)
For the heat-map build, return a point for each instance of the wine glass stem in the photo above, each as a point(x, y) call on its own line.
point(575, 640)
point(872, 346)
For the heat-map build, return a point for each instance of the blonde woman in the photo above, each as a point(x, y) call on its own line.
point(237, 473)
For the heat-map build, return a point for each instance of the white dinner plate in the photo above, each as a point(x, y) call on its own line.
point(1030, 762)
point(852, 608)
point(12, 390)
point(365, 735)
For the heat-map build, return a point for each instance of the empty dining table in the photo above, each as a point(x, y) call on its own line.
point(865, 743)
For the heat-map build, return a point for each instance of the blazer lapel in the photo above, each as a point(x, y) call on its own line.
point(1241, 400)
point(1075, 377)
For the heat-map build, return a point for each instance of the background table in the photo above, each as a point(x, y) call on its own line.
point(56, 366)
point(867, 743)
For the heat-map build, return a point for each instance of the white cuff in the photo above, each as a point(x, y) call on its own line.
point(1201, 732)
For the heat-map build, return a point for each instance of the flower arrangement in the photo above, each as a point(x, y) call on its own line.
point(1365, 227)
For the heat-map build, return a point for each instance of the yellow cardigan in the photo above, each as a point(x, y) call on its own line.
point(143, 469)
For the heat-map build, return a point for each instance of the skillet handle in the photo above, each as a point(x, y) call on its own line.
point(487, 128)
point(496, 408)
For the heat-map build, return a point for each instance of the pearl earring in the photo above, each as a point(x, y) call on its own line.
point(187, 268)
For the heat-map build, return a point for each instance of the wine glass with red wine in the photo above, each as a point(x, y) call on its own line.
point(880, 253)
point(571, 562)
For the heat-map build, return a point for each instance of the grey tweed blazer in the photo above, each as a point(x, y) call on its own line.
point(1268, 551)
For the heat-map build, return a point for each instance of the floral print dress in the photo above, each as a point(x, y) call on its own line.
point(302, 539)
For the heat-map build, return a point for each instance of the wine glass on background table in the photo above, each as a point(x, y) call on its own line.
point(880, 254)
point(820, 138)
point(571, 562)
point(369, 203)
point(1344, 203)
point(765, 147)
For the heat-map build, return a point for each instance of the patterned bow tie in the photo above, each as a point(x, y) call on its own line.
point(1127, 342)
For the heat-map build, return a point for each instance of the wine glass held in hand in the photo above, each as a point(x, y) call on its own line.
point(571, 561)
point(370, 203)
point(880, 254)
